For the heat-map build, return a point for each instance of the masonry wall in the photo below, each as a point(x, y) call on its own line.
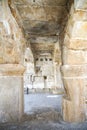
point(74, 69)
point(12, 45)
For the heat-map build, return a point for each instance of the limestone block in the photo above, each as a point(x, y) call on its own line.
point(74, 57)
point(11, 69)
point(41, 3)
point(43, 40)
point(12, 42)
point(42, 14)
point(77, 30)
point(69, 27)
point(74, 70)
point(80, 4)
point(57, 76)
point(74, 107)
point(76, 44)
point(80, 30)
point(11, 93)
point(77, 14)
point(57, 53)
point(55, 2)
point(77, 24)
point(80, 15)
point(10, 52)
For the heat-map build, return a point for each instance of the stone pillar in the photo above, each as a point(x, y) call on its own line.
point(12, 45)
point(11, 92)
point(57, 76)
point(57, 63)
point(74, 78)
point(74, 68)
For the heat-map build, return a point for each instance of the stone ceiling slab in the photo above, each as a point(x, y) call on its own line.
point(44, 40)
point(42, 20)
point(46, 13)
point(41, 28)
point(39, 47)
point(42, 2)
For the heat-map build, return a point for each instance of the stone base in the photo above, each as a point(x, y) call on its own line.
point(11, 93)
point(74, 106)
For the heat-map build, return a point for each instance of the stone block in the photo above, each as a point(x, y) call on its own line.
point(80, 30)
point(74, 107)
point(41, 3)
point(48, 13)
point(80, 4)
point(74, 57)
point(11, 93)
point(76, 44)
point(74, 70)
point(80, 15)
point(77, 29)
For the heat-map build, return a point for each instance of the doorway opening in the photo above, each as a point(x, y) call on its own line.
point(39, 87)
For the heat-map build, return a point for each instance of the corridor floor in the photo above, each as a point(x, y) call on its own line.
point(43, 112)
point(42, 101)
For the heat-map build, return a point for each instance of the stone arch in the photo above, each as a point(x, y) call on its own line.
point(74, 49)
point(74, 68)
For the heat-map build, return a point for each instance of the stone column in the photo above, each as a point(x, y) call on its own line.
point(57, 63)
point(57, 76)
point(12, 45)
point(11, 92)
point(74, 69)
point(74, 78)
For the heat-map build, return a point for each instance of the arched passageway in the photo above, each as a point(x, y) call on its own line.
point(14, 34)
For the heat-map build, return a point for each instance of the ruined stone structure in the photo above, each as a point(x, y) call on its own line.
point(74, 63)
point(12, 44)
point(46, 39)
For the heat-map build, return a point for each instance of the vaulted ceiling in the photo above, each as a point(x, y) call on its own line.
point(43, 20)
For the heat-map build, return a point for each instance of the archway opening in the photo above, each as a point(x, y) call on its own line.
point(41, 95)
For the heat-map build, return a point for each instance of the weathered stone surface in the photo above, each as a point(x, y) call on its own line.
point(75, 44)
point(77, 29)
point(80, 4)
point(42, 18)
point(77, 24)
point(74, 57)
point(76, 71)
point(80, 30)
point(12, 45)
point(41, 2)
point(48, 13)
point(57, 76)
point(43, 24)
point(80, 15)
point(57, 64)
point(44, 40)
point(11, 92)
point(12, 42)
point(74, 102)
point(74, 64)
point(11, 99)
point(11, 69)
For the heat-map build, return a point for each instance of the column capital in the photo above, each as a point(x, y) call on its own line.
point(11, 69)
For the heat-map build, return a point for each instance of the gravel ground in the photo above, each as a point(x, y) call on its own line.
point(43, 112)
point(33, 102)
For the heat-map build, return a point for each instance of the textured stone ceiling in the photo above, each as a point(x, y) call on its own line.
point(42, 18)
